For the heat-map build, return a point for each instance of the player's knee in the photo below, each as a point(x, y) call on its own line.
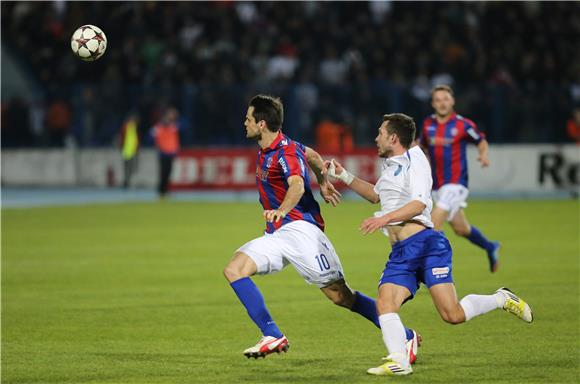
point(342, 299)
point(462, 231)
point(232, 272)
point(453, 317)
point(387, 306)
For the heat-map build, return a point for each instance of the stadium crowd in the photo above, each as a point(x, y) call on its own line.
point(515, 66)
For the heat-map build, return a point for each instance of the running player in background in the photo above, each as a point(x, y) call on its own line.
point(445, 136)
point(294, 229)
point(419, 254)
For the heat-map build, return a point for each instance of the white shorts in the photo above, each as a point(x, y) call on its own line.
point(451, 198)
point(301, 244)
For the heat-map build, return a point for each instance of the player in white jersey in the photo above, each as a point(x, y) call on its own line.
point(419, 253)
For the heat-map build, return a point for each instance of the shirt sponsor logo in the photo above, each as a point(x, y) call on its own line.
point(440, 141)
point(282, 162)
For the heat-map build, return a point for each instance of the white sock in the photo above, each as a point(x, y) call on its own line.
point(394, 337)
point(475, 305)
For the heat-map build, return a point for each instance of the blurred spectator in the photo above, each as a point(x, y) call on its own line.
point(307, 99)
point(333, 69)
point(58, 121)
point(166, 136)
point(507, 53)
point(333, 137)
point(129, 143)
point(379, 10)
point(573, 126)
point(37, 113)
point(283, 64)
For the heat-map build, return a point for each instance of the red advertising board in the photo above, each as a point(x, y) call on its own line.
point(235, 169)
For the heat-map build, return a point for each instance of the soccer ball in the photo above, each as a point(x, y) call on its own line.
point(88, 42)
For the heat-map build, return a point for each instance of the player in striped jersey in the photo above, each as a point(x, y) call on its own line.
point(294, 229)
point(445, 136)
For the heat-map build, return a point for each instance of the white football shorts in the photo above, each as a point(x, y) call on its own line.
point(301, 244)
point(451, 197)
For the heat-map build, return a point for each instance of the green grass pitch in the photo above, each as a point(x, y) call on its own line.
point(134, 293)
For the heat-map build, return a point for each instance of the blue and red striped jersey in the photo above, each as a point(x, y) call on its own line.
point(446, 143)
point(275, 164)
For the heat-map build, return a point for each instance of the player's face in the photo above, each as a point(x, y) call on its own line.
point(384, 140)
point(442, 102)
point(253, 130)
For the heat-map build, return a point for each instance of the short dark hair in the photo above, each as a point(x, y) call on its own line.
point(403, 126)
point(441, 87)
point(269, 109)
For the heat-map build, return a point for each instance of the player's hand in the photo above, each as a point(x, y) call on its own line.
point(329, 193)
point(335, 170)
point(483, 160)
point(371, 224)
point(274, 215)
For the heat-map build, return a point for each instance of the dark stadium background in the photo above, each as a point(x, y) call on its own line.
point(515, 66)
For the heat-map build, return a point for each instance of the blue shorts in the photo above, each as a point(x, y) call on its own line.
point(424, 257)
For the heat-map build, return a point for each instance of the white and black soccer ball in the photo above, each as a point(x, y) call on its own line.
point(88, 42)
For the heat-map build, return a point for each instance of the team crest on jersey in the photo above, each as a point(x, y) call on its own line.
point(269, 162)
point(261, 174)
point(453, 131)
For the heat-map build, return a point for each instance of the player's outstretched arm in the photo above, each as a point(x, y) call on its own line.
point(483, 151)
point(327, 190)
point(292, 197)
point(362, 188)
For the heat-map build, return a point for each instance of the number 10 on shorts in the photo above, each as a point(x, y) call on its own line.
point(322, 262)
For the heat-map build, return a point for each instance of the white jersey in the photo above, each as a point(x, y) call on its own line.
point(405, 178)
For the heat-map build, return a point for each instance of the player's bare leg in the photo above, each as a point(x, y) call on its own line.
point(340, 294)
point(391, 297)
point(240, 266)
point(238, 272)
point(462, 227)
point(439, 217)
point(445, 300)
point(459, 223)
point(456, 312)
